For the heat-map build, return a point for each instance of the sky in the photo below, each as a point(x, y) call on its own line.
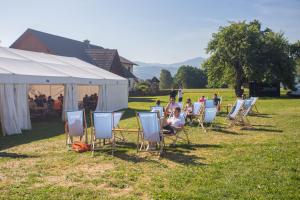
point(156, 31)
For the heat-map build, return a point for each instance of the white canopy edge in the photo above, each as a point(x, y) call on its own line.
point(19, 66)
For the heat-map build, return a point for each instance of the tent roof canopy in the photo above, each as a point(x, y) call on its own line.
point(19, 66)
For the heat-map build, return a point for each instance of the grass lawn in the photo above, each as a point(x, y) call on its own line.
point(263, 163)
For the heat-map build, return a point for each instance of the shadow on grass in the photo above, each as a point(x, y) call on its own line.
point(261, 125)
point(14, 155)
point(263, 129)
point(41, 129)
point(197, 146)
point(262, 115)
point(141, 99)
point(226, 131)
point(129, 112)
point(180, 156)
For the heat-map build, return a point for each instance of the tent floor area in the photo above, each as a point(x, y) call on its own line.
point(259, 163)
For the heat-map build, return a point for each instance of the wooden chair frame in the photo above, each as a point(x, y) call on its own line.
point(142, 145)
point(98, 141)
point(69, 139)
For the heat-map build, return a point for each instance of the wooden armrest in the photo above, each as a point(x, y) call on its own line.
point(127, 130)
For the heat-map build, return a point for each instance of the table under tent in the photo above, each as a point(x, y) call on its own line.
point(24, 72)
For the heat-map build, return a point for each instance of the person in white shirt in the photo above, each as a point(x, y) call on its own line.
point(173, 122)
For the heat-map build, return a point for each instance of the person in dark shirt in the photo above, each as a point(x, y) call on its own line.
point(173, 94)
point(216, 100)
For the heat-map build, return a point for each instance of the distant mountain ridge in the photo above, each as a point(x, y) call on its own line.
point(148, 70)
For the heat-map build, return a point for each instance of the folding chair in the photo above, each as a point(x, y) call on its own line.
point(208, 117)
point(254, 100)
point(75, 126)
point(102, 124)
point(198, 109)
point(247, 107)
point(117, 118)
point(235, 115)
point(158, 109)
point(149, 132)
point(178, 130)
point(209, 104)
point(180, 105)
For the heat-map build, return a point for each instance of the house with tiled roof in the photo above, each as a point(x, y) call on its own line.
point(108, 59)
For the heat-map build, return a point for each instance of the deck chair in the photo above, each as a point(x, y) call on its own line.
point(198, 109)
point(159, 110)
point(247, 107)
point(149, 132)
point(209, 104)
point(75, 126)
point(117, 118)
point(235, 115)
point(207, 117)
point(102, 124)
point(254, 100)
point(180, 105)
point(179, 131)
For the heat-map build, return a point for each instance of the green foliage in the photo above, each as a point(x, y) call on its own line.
point(190, 77)
point(142, 87)
point(166, 80)
point(243, 52)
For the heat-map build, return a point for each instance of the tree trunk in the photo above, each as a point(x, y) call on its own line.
point(238, 80)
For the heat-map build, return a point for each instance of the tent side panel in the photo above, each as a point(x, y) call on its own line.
point(117, 97)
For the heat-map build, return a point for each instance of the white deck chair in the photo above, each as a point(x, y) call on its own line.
point(208, 117)
point(209, 104)
point(158, 109)
point(247, 107)
point(254, 100)
point(197, 108)
point(180, 105)
point(178, 130)
point(102, 124)
point(75, 126)
point(149, 132)
point(235, 115)
point(117, 118)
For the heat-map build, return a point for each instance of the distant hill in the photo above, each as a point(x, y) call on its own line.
point(148, 70)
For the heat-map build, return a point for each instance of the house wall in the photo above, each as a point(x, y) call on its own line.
point(128, 66)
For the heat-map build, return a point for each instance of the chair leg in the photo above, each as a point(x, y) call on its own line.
point(93, 148)
point(202, 126)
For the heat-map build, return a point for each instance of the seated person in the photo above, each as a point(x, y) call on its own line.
point(157, 103)
point(216, 100)
point(50, 103)
point(188, 109)
point(171, 106)
point(202, 99)
point(174, 122)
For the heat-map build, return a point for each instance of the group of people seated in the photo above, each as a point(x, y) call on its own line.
point(90, 102)
point(41, 105)
point(173, 110)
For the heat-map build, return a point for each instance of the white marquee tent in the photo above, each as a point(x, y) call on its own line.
point(20, 70)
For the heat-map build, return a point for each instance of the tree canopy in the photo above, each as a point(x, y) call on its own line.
point(243, 52)
point(166, 80)
point(190, 77)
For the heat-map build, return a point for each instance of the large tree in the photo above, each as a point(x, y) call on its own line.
point(166, 80)
point(243, 52)
point(190, 77)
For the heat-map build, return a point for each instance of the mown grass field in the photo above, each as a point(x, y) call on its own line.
point(263, 163)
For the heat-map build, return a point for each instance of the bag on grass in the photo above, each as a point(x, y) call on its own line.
point(80, 147)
